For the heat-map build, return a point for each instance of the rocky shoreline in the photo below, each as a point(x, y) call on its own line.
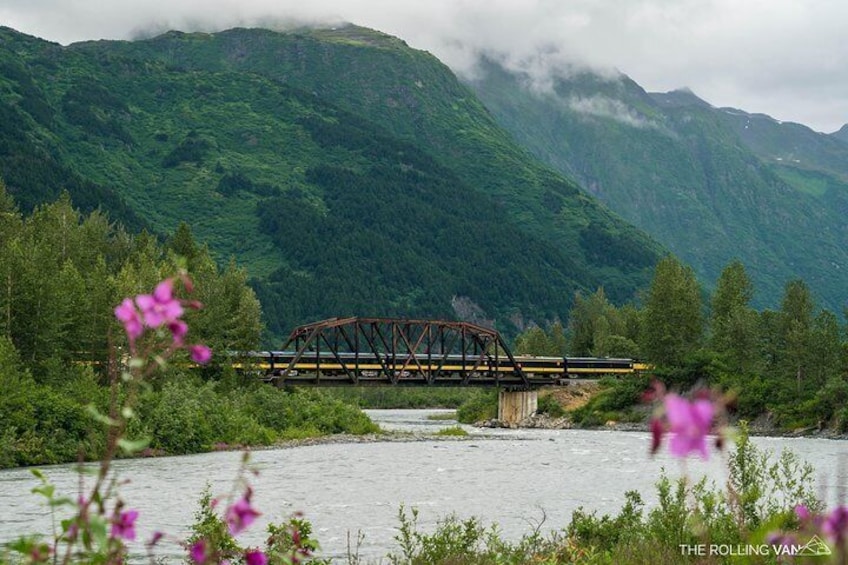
point(536, 421)
point(760, 427)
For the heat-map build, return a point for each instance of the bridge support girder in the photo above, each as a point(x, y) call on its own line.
point(401, 351)
point(515, 406)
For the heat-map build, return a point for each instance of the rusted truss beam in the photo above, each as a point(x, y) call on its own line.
point(401, 351)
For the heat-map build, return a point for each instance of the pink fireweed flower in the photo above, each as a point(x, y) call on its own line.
point(200, 353)
point(123, 525)
point(197, 552)
point(160, 307)
point(241, 514)
point(255, 557)
point(689, 422)
point(178, 330)
point(835, 525)
point(128, 315)
point(781, 539)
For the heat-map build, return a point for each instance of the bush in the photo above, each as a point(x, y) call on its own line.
point(702, 366)
point(550, 406)
point(483, 406)
point(605, 532)
point(617, 396)
point(296, 409)
point(454, 541)
point(761, 496)
point(41, 425)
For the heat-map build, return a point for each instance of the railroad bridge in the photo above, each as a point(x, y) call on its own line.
point(400, 352)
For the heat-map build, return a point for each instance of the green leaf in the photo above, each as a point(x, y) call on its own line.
point(99, 416)
point(45, 490)
point(98, 527)
point(62, 501)
point(130, 446)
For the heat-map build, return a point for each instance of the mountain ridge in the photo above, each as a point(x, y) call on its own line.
point(688, 174)
point(224, 128)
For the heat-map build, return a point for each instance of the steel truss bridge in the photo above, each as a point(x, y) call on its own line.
point(386, 351)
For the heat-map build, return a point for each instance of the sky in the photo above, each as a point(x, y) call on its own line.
point(784, 58)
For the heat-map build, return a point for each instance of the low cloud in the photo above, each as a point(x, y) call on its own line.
point(783, 57)
point(603, 107)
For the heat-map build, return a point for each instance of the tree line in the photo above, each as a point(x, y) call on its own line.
point(789, 365)
point(61, 275)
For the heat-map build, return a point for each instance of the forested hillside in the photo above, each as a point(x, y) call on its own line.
point(350, 174)
point(63, 273)
point(711, 184)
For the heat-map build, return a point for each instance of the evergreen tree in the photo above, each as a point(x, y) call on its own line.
point(10, 257)
point(183, 245)
point(599, 329)
point(796, 321)
point(590, 322)
point(559, 343)
point(733, 322)
point(673, 324)
point(533, 341)
point(826, 349)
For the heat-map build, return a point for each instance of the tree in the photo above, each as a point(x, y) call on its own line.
point(599, 329)
point(733, 322)
point(591, 322)
point(796, 321)
point(231, 318)
point(183, 245)
point(559, 343)
point(673, 324)
point(533, 341)
point(826, 349)
point(11, 226)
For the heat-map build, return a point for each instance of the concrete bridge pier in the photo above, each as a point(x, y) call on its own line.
point(514, 406)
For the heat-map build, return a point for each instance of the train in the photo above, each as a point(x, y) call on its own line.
point(311, 367)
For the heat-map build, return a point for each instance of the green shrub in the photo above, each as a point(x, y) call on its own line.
point(483, 406)
point(613, 402)
point(549, 405)
point(209, 527)
point(282, 546)
point(291, 409)
point(606, 532)
point(176, 422)
point(760, 497)
point(454, 541)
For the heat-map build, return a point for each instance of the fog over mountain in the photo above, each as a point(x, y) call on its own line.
point(780, 57)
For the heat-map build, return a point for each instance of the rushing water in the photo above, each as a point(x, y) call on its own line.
point(512, 477)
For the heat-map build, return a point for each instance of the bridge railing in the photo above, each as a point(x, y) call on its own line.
point(400, 351)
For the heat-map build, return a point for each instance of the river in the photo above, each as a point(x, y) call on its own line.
point(515, 478)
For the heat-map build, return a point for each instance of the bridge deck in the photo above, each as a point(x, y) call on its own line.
point(385, 351)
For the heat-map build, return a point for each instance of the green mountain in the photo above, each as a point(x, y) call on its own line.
point(842, 134)
point(787, 144)
point(351, 174)
point(711, 184)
